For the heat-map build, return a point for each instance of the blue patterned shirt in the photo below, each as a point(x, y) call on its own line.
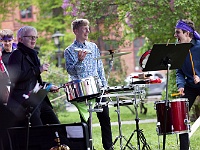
point(86, 68)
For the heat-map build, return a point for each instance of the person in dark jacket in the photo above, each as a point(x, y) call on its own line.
point(8, 44)
point(188, 77)
point(7, 40)
point(3, 82)
point(24, 69)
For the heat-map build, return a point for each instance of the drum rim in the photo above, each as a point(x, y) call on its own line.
point(179, 99)
point(174, 100)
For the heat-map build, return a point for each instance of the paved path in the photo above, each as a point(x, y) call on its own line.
point(128, 122)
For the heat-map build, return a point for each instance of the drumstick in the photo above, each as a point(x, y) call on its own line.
point(175, 94)
point(192, 62)
point(167, 42)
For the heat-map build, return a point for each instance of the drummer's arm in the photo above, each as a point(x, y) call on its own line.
point(180, 81)
point(102, 77)
point(73, 65)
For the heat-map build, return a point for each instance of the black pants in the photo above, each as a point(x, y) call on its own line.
point(191, 94)
point(43, 115)
point(7, 119)
point(47, 114)
point(104, 120)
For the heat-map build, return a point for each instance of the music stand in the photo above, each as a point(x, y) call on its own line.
point(33, 102)
point(167, 57)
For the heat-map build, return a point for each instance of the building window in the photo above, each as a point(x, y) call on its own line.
point(26, 13)
point(139, 42)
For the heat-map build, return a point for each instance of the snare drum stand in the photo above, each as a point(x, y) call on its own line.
point(140, 135)
point(120, 130)
point(90, 110)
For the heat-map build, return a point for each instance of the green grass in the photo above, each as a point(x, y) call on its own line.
point(125, 114)
point(149, 129)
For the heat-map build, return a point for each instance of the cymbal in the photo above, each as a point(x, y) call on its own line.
point(110, 50)
point(112, 55)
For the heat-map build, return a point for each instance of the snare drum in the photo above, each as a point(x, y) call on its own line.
point(177, 116)
point(77, 90)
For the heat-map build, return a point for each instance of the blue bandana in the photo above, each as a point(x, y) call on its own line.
point(182, 25)
point(6, 38)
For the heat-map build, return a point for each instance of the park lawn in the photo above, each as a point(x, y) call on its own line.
point(148, 129)
point(150, 134)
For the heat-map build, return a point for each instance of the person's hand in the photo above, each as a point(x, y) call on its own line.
point(181, 91)
point(196, 79)
point(54, 89)
point(44, 67)
point(81, 55)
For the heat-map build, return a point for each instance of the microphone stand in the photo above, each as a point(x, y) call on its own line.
point(110, 66)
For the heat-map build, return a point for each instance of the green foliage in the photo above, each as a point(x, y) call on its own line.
point(172, 88)
point(6, 7)
point(117, 74)
point(56, 76)
point(154, 20)
point(147, 46)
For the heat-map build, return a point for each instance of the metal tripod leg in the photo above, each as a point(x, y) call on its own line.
point(120, 130)
point(90, 126)
point(140, 135)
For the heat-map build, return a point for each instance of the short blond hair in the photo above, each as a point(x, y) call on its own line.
point(78, 23)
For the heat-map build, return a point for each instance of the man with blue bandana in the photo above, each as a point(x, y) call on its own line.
point(8, 44)
point(188, 77)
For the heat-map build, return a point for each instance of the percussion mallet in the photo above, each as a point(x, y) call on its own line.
point(192, 62)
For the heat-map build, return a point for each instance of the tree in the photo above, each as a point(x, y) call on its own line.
point(50, 19)
point(154, 20)
point(6, 7)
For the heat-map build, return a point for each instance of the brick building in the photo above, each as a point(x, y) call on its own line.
point(29, 15)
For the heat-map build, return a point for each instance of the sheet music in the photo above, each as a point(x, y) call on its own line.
point(74, 132)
